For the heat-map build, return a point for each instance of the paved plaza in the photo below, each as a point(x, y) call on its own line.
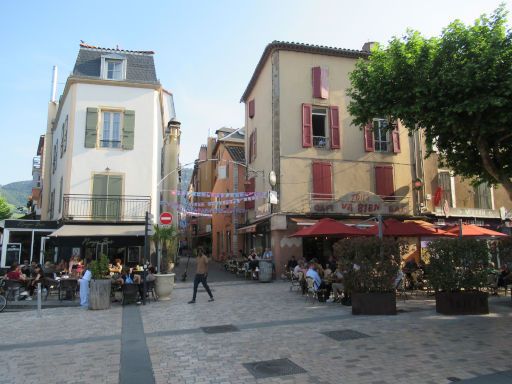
point(270, 335)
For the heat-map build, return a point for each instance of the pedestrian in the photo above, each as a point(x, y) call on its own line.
point(201, 275)
point(84, 288)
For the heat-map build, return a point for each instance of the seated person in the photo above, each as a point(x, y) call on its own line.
point(38, 278)
point(292, 263)
point(318, 284)
point(49, 267)
point(117, 267)
point(61, 267)
point(338, 285)
point(301, 267)
point(151, 274)
point(25, 268)
point(15, 273)
point(128, 277)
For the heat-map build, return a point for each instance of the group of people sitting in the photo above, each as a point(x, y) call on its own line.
point(28, 276)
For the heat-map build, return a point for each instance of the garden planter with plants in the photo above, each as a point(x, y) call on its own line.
point(165, 240)
point(371, 266)
point(458, 271)
point(100, 285)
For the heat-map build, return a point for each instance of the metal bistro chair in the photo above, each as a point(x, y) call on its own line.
point(12, 289)
point(295, 281)
point(67, 289)
point(150, 289)
point(310, 292)
point(130, 293)
point(51, 285)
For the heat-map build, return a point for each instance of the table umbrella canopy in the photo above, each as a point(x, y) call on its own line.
point(474, 231)
point(329, 227)
point(393, 227)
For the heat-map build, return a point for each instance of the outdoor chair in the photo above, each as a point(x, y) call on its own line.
point(150, 289)
point(67, 289)
point(310, 292)
point(130, 293)
point(12, 289)
point(295, 281)
point(51, 285)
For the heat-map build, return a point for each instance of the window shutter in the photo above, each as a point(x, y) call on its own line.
point(252, 109)
point(335, 127)
point(255, 144)
point(320, 77)
point(250, 187)
point(368, 138)
point(250, 146)
point(384, 180)
point(128, 129)
point(306, 125)
point(91, 126)
point(322, 180)
point(395, 134)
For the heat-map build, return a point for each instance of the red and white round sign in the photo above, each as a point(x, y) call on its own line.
point(165, 218)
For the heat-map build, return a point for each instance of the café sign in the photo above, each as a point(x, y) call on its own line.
point(361, 203)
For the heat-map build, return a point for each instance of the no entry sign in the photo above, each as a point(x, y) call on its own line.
point(165, 218)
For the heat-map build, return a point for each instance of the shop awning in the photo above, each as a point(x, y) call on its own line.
point(247, 229)
point(329, 227)
point(98, 231)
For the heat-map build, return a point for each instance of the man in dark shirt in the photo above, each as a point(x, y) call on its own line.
point(292, 263)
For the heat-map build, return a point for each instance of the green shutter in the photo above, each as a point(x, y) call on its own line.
point(128, 129)
point(91, 127)
point(114, 203)
point(99, 192)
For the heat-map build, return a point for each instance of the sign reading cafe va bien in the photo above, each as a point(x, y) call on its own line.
point(360, 202)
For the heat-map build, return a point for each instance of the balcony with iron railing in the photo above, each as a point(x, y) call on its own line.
point(105, 208)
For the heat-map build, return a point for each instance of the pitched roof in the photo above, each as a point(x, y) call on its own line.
point(237, 153)
point(140, 66)
point(298, 47)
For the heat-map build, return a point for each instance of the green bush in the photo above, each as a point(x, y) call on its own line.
point(371, 264)
point(99, 268)
point(458, 264)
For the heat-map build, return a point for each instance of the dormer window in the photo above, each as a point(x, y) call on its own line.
point(113, 67)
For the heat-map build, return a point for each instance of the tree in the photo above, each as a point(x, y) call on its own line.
point(165, 239)
point(456, 87)
point(5, 209)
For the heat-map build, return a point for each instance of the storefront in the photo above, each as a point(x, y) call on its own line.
point(26, 240)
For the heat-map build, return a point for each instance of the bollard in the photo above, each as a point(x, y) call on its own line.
point(39, 314)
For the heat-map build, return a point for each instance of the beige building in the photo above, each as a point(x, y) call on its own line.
point(298, 126)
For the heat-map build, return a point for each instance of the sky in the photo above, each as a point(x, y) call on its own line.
point(205, 51)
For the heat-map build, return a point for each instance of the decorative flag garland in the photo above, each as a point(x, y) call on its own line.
point(258, 195)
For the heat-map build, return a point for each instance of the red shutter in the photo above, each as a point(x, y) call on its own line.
point(395, 135)
point(384, 180)
point(306, 126)
point(250, 147)
point(322, 180)
point(368, 138)
point(320, 82)
point(335, 127)
point(250, 186)
point(252, 109)
point(254, 143)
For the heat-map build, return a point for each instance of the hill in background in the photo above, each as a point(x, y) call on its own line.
point(17, 193)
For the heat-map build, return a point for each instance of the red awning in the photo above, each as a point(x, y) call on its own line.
point(393, 227)
point(474, 231)
point(329, 227)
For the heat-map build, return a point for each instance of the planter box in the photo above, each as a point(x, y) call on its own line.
point(99, 294)
point(164, 285)
point(374, 303)
point(462, 303)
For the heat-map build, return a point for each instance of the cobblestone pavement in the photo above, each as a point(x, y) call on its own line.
point(270, 322)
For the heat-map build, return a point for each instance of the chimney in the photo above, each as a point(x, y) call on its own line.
point(54, 85)
point(367, 47)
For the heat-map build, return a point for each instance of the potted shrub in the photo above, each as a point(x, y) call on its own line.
point(458, 271)
point(100, 285)
point(371, 269)
point(165, 240)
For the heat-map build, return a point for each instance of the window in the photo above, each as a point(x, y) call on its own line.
point(110, 136)
point(445, 183)
point(107, 193)
point(252, 146)
point(55, 153)
point(384, 185)
point(60, 194)
point(64, 137)
point(381, 135)
point(114, 69)
point(322, 180)
point(52, 203)
point(320, 127)
point(250, 186)
point(483, 197)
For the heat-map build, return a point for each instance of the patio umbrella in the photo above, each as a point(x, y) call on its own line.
point(329, 227)
point(393, 227)
point(474, 231)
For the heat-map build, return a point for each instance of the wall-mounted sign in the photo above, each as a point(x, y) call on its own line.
point(361, 203)
point(469, 212)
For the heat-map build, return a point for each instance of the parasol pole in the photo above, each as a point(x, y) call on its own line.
point(460, 228)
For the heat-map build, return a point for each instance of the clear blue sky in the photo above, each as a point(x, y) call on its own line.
point(206, 51)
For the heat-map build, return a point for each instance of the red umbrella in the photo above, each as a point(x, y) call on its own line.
point(474, 231)
point(329, 227)
point(393, 227)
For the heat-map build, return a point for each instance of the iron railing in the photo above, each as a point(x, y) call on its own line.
point(112, 208)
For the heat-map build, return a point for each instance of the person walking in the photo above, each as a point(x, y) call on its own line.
point(201, 274)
